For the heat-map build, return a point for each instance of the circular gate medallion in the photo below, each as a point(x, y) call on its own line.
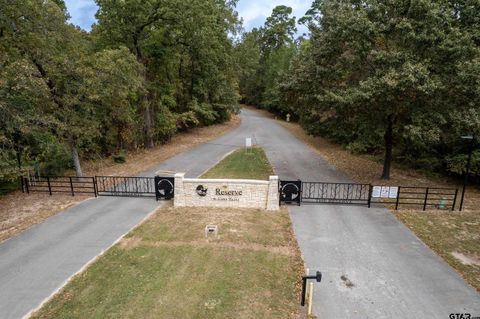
point(290, 192)
point(165, 188)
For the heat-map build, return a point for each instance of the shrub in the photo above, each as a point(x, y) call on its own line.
point(121, 157)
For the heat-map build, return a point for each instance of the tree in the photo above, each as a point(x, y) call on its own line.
point(264, 56)
point(52, 83)
point(186, 53)
point(379, 69)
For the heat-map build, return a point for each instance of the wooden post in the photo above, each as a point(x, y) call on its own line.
point(310, 298)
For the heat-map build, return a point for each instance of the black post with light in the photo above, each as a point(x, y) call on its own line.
point(471, 140)
point(317, 277)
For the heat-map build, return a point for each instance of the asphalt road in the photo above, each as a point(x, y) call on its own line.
point(394, 275)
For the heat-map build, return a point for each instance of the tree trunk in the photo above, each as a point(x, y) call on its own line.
point(147, 117)
point(16, 146)
point(388, 137)
point(119, 138)
point(76, 160)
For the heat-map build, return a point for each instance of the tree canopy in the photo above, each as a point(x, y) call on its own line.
point(147, 70)
point(400, 77)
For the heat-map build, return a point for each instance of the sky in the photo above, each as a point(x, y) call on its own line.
point(253, 12)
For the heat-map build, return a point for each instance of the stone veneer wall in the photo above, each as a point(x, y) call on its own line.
point(254, 193)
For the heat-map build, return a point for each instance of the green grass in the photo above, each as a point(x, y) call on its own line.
point(165, 268)
point(244, 163)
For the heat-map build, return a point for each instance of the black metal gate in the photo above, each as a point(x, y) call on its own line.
point(125, 186)
point(325, 193)
point(336, 193)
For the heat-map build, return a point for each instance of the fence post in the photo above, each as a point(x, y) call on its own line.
point(71, 186)
point(94, 180)
point(398, 198)
point(455, 200)
point(426, 198)
point(370, 190)
point(49, 186)
point(301, 193)
point(26, 185)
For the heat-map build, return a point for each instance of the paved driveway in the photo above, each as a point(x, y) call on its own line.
point(394, 274)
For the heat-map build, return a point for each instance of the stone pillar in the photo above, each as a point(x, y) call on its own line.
point(179, 195)
point(273, 199)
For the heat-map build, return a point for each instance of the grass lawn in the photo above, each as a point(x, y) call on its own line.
point(244, 163)
point(166, 268)
point(453, 235)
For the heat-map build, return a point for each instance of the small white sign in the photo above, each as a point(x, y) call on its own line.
point(376, 191)
point(393, 192)
point(248, 142)
point(385, 192)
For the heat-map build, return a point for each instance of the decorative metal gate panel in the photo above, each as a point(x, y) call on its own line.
point(336, 193)
point(290, 192)
point(299, 192)
point(125, 186)
point(164, 187)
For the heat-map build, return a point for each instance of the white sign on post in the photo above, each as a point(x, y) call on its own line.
point(385, 192)
point(393, 192)
point(248, 142)
point(376, 191)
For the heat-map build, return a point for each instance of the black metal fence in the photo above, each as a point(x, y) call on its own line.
point(60, 185)
point(424, 197)
point(125, 186)
point(366, 194)
point(336, 193)
point(297, 192)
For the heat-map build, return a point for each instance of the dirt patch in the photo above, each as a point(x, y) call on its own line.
point(143, 159)
point(129, 243)
point(20, 211)
point(466, 260)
